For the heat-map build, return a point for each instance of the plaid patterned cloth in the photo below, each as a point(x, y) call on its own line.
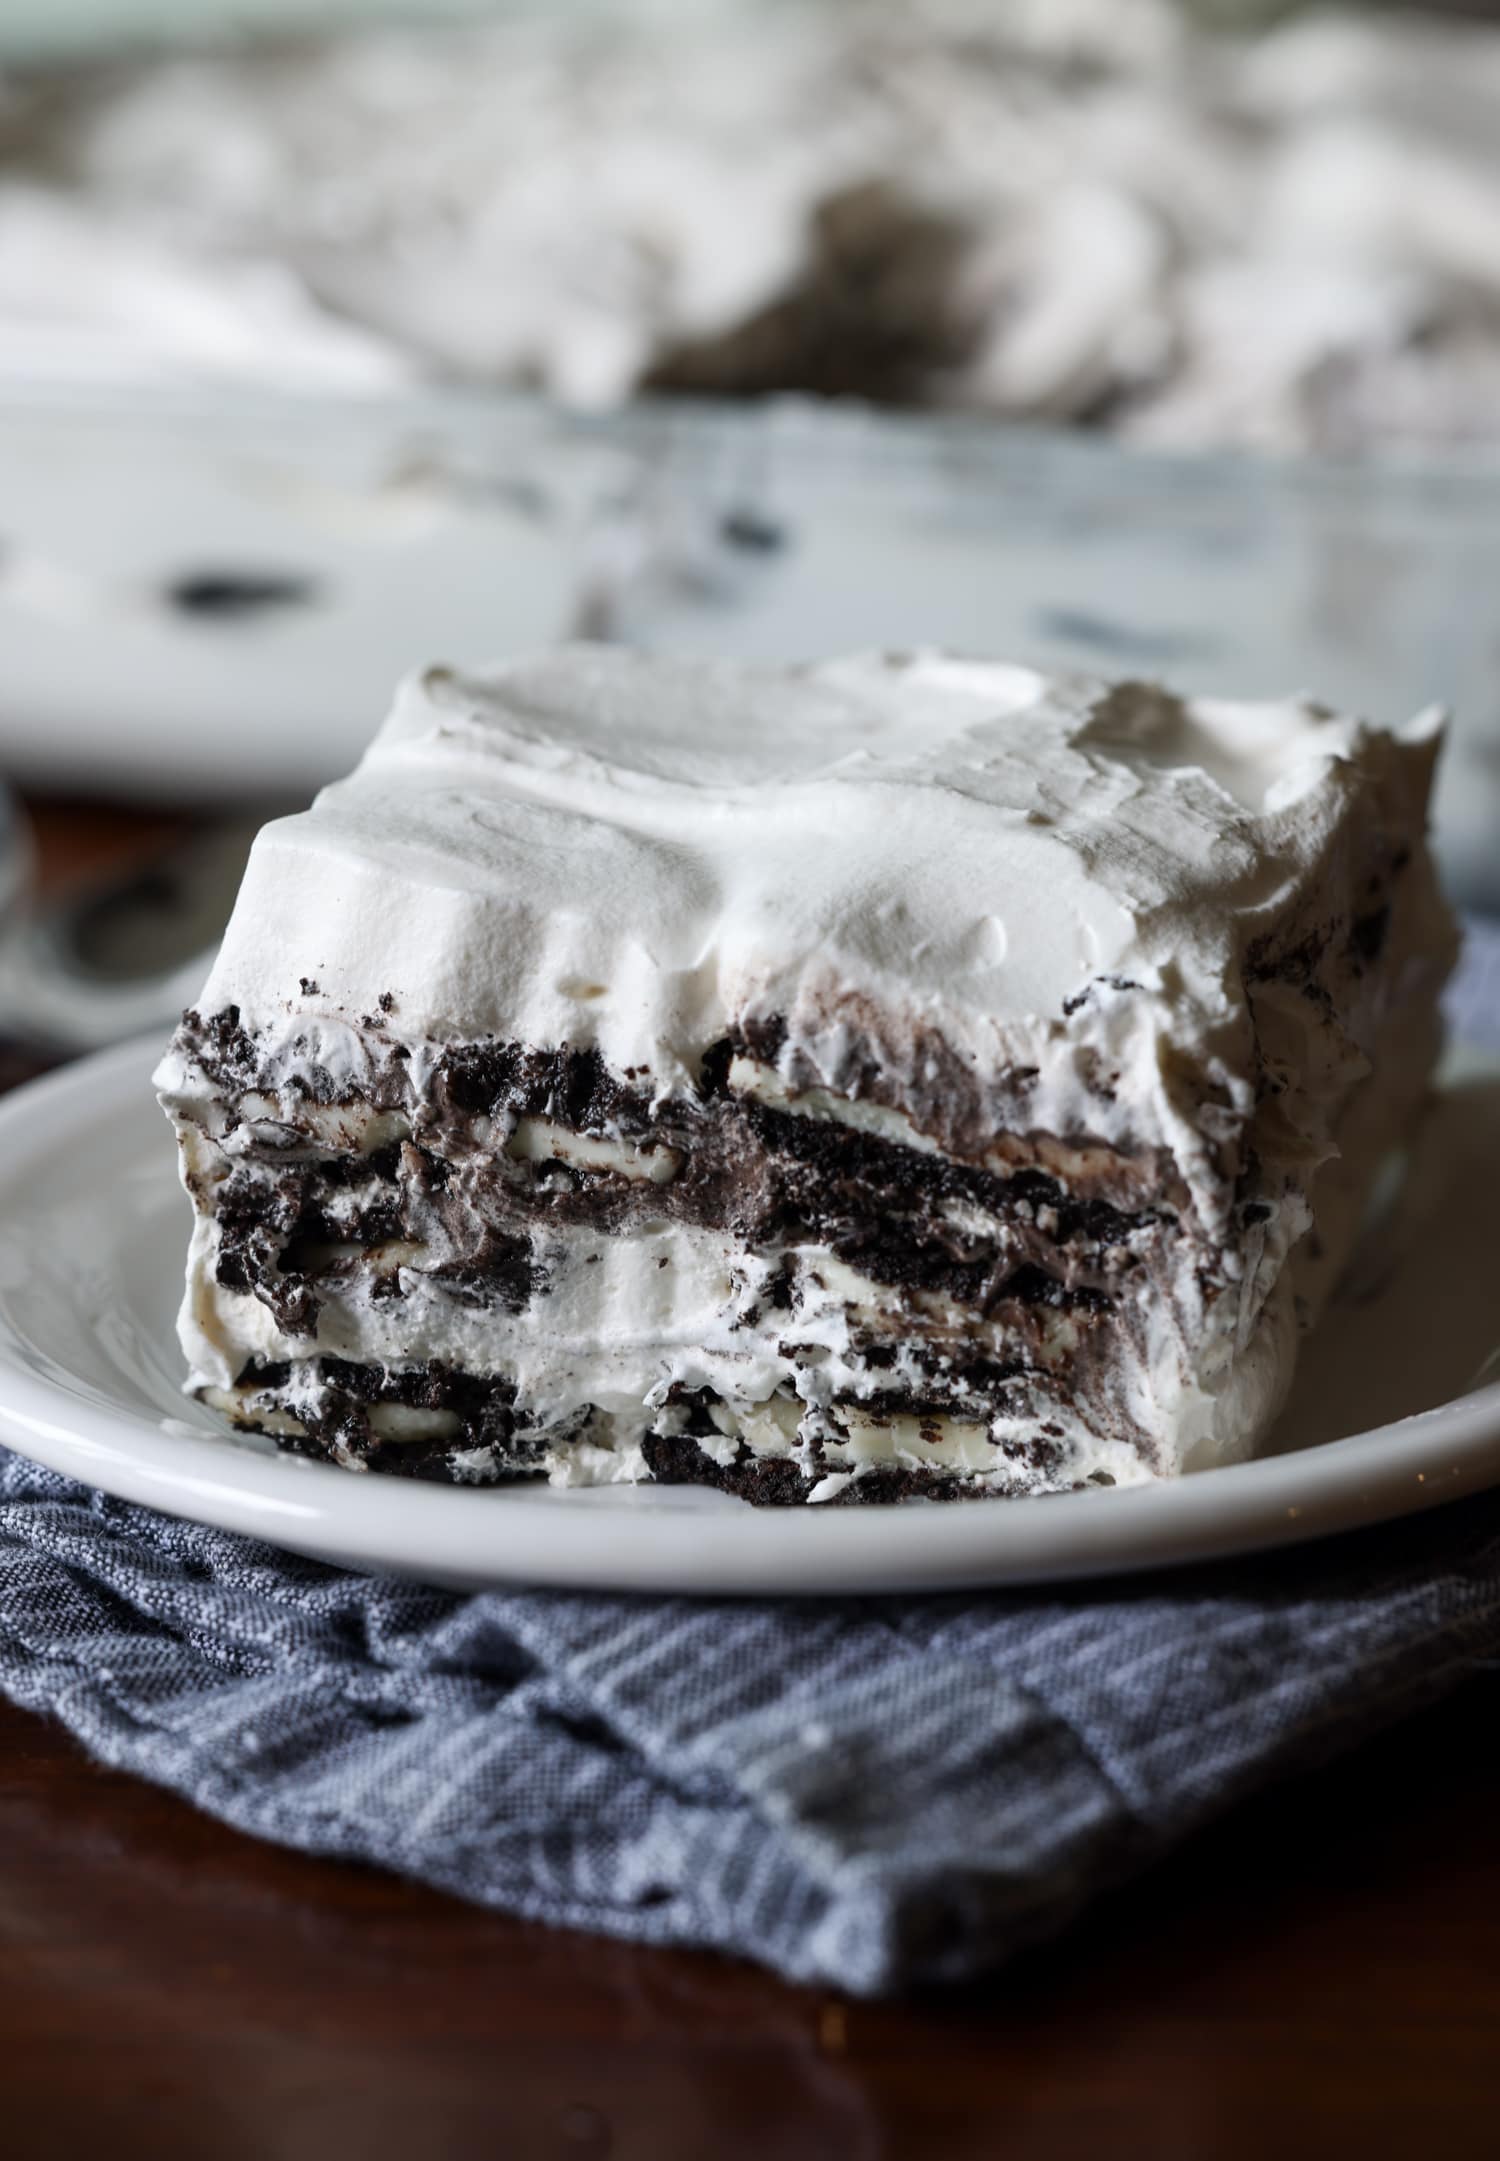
point(865, 1795)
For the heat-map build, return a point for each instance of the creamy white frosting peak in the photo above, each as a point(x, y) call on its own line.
point(591, 845)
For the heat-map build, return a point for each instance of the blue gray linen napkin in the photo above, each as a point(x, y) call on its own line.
point(866, 1794)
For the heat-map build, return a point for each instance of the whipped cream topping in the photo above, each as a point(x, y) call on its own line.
point(600, 848)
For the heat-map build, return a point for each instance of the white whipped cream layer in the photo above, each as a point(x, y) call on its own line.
point(594, 847)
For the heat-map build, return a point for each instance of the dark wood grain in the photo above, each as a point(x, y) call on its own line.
point(78, 841)
point(1320, 1975)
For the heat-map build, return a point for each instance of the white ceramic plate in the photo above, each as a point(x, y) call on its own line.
point(1397, 1405)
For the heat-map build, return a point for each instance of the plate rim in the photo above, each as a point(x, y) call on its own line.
point(437, 1533)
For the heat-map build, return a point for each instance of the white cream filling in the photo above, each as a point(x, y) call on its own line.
point(410, 1422)
point(388, 1421)
point(241, 1406)
point(749, 1077)
point(948, 1443)
point(541, 1140)
point(380, 1261)
point(345, 1128)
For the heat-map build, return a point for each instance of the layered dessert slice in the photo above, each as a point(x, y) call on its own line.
point(901, 1075)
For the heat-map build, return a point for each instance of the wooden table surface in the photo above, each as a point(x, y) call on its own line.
point(1318, 1975)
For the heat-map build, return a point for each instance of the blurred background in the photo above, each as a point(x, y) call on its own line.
point(1149, 337)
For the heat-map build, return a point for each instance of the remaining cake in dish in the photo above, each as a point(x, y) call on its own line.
point(901, 1075)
